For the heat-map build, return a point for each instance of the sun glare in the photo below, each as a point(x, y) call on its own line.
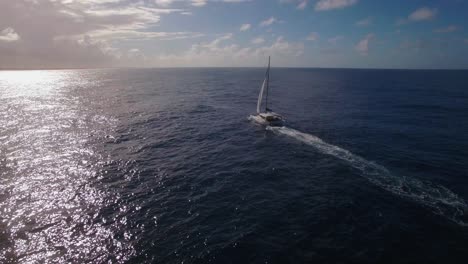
point(32, 83)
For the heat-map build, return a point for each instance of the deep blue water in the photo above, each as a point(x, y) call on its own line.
point(163, 166)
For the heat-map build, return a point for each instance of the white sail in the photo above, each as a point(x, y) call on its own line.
point(260, 96)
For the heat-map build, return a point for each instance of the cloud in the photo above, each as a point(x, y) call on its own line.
point(363, 46)
point(401, 21)
point(258, 40)
point(9, 35)
point(77, 33)
point(425, 45)
point(312, 36)
point(132, 35)
point(422, 14)
point(164, 3)
point(235, 1)
point(302, 5)
point(448, 29)
point(335, 40)
point(364, 22)
point(198, 2)
point(220, 53)
point(245, 27)
point(281, 47)
point(324, 5)
point(268, 22)
point(217, 41)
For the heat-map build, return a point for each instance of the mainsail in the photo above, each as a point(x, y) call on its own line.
point(260, 96)
point(265, 82)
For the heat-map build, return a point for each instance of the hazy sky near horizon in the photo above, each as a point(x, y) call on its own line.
point(296, 33)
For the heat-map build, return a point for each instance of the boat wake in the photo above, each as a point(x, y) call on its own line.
point(438, 199)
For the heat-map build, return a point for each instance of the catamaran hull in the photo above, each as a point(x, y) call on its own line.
point(260, 120)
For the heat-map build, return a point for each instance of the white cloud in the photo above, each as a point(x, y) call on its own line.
point(216, 54)
point(302, 5)
point(363, 46)
point(77, 33)
point(245, 27)
point(125, 35)
point(335, 40)
point(423, 13)
point(164, 3)
point(198, 2)
point(214, 44)
point(312, 36)
point(141, 14)
point(281, 47)
point(88, 1)
point(402, 21)
point(324, 5)
point(268, 22)
point(235, 1)
point(9, 35)
point(448, 29)
point(134, 24)
point(258, 40)
point(420, 14)
point(364, 22)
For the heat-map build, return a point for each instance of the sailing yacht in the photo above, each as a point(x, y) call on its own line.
point(268, 117)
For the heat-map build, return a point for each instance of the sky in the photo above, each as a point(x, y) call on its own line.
point(408, 34)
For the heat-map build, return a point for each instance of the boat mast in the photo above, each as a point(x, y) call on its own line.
point(267, 85)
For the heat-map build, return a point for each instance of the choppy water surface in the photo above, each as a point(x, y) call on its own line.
point(163, 166)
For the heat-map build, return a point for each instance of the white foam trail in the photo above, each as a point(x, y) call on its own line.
point(439, 199)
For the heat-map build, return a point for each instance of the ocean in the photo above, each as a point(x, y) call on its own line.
point(164, 166)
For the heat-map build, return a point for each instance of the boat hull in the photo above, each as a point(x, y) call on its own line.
point(264, 120)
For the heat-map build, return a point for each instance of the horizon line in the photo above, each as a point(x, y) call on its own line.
point(225, 67)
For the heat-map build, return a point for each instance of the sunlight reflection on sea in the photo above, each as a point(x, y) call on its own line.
point(48, 204)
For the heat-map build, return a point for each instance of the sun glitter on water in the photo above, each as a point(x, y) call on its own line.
point(48, 204)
